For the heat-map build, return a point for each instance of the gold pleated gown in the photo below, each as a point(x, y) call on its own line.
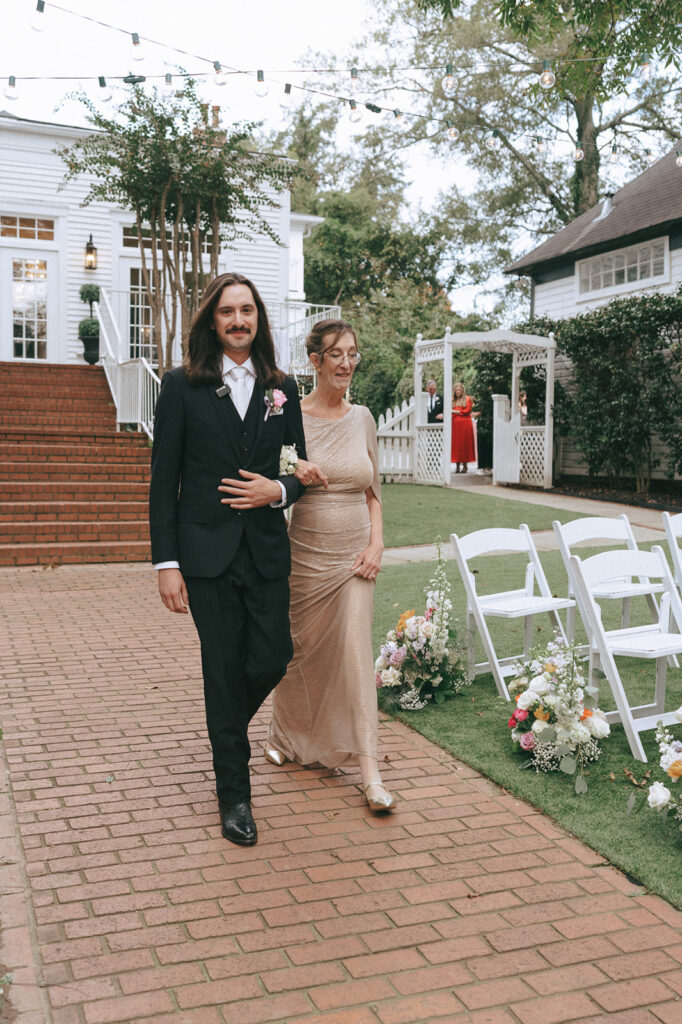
point(325, 708)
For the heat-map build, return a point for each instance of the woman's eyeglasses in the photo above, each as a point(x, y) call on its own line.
point(338, 357)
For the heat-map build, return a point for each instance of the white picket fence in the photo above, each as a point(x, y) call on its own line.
point(395, 437)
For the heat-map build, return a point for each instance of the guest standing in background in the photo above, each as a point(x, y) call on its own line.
point(463, 448)
point(434, 403)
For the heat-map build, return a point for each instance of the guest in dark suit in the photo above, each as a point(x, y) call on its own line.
point(434, 404)
point(226, 413)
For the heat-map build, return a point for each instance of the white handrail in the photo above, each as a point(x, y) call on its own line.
point(108, 326)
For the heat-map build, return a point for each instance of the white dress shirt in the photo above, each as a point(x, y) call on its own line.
point(241, 386)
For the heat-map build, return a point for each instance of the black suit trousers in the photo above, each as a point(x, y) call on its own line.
point(242, 620)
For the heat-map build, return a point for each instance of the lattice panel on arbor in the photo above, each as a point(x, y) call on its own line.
point(532, 456)
point(428, 353)
point(429, 455)
point(531, 357)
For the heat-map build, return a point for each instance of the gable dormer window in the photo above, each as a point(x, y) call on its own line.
point(624, 270)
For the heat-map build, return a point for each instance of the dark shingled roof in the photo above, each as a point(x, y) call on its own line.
point(649, 205)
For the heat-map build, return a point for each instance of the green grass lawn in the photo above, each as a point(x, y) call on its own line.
point(416, 514)
point(473, 726)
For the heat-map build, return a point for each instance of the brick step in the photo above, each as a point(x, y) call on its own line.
point(73, 421)
point(20, 391)
point(73, 471)
point(47, 372)
point(80, 490)
point(54, 436)
point(35, 406)
point(50, 452)
point(66, 511)
point(73, 554)
point(73, 532)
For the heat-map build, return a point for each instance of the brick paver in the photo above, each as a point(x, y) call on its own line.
point(121, 903)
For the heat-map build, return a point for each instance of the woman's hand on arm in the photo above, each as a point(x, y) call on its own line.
point(310, 474)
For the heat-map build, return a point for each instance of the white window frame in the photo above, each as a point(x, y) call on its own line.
point(641, 284)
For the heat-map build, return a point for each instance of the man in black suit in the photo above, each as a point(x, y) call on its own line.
point(226, 413)
point(434, 404)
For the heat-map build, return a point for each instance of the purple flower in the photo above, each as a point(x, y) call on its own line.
point(527, 741)
point(676, 746)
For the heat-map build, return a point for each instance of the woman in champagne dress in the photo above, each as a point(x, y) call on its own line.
point(325, 708)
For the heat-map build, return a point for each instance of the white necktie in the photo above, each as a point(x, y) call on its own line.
point(240, 389)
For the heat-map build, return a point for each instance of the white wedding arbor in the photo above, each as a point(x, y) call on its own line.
point(521, 454)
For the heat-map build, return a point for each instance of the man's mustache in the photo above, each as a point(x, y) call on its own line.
point(236, 330)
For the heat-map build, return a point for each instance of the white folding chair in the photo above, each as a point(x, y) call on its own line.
point(603, 528)
point(673, 530)
point(509, 604)
point(654, 641)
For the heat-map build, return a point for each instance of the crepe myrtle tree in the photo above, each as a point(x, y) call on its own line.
point(192, 186)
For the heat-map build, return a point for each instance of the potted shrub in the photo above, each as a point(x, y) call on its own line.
point(88, 328)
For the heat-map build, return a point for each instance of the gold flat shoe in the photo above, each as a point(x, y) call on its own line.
point(378, 798)
point(274, 756)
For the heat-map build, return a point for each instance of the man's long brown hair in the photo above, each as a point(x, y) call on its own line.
point(203, 362)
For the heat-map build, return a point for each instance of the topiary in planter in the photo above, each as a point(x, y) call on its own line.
point(88, 329)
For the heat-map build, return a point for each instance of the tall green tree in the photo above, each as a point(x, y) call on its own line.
point(192, 186)
point(530, 186)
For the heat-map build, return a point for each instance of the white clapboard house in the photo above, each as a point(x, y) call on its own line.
point(50, 245)
point(628, 244)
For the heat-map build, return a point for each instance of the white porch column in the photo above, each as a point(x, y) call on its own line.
point(549, 416)
point(447, 407)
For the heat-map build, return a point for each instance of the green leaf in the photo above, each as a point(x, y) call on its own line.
point(568, 765)
point(547, 735)
point(562, 749)
point(580, 785)
point(631, 802)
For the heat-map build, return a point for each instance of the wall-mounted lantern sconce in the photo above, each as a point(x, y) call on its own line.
point(90, 255)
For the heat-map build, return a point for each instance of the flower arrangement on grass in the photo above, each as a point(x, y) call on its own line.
point(659, 797)
point(556, 721)
point(420, 660)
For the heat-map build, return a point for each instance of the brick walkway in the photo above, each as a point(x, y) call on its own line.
point(121, 903)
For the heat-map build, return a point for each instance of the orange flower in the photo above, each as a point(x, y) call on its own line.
point(541, 714)
point(586, 714)
point(403, 619)
point(549, 667)
point(675, 769)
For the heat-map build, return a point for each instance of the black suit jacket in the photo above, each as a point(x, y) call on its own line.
point(198, 440)
point(437, 408)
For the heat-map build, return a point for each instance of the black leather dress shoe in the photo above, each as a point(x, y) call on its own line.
point(237, 823)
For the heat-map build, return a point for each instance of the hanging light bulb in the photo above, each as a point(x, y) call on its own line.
point(261, 87)
point(286, 100)
point(400, 121)
point(578, 153)
point(168, 89)
point(104, 95)
point(11, 92)
point(38, 17)
point(539, 145)
point(613, 156)
point(355, 114)
point(645, 68)
point(218, 73)
point(354, 82)
point(138, 52)
point(547, 78)
point(678, 157)
point(452, 130)
point(493, 140)
point(650, 157)
point(449, 84)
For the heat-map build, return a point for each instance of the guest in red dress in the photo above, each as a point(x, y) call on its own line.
point(463, 443)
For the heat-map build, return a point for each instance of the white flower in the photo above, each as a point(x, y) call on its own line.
point(539, 726)
point(659, 795)
point(678, 714)
point(540, 684)
point(390, 677)
point(426, 629)
point(580, 733)
point(380, 664)
point(526, 700)
point(598, 726)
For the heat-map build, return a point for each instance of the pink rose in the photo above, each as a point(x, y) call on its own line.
point(398, 657)
point(279, 398)
point(520, 714)
point(527, 741)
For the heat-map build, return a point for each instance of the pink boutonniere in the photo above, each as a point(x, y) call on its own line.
point(274, 402)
